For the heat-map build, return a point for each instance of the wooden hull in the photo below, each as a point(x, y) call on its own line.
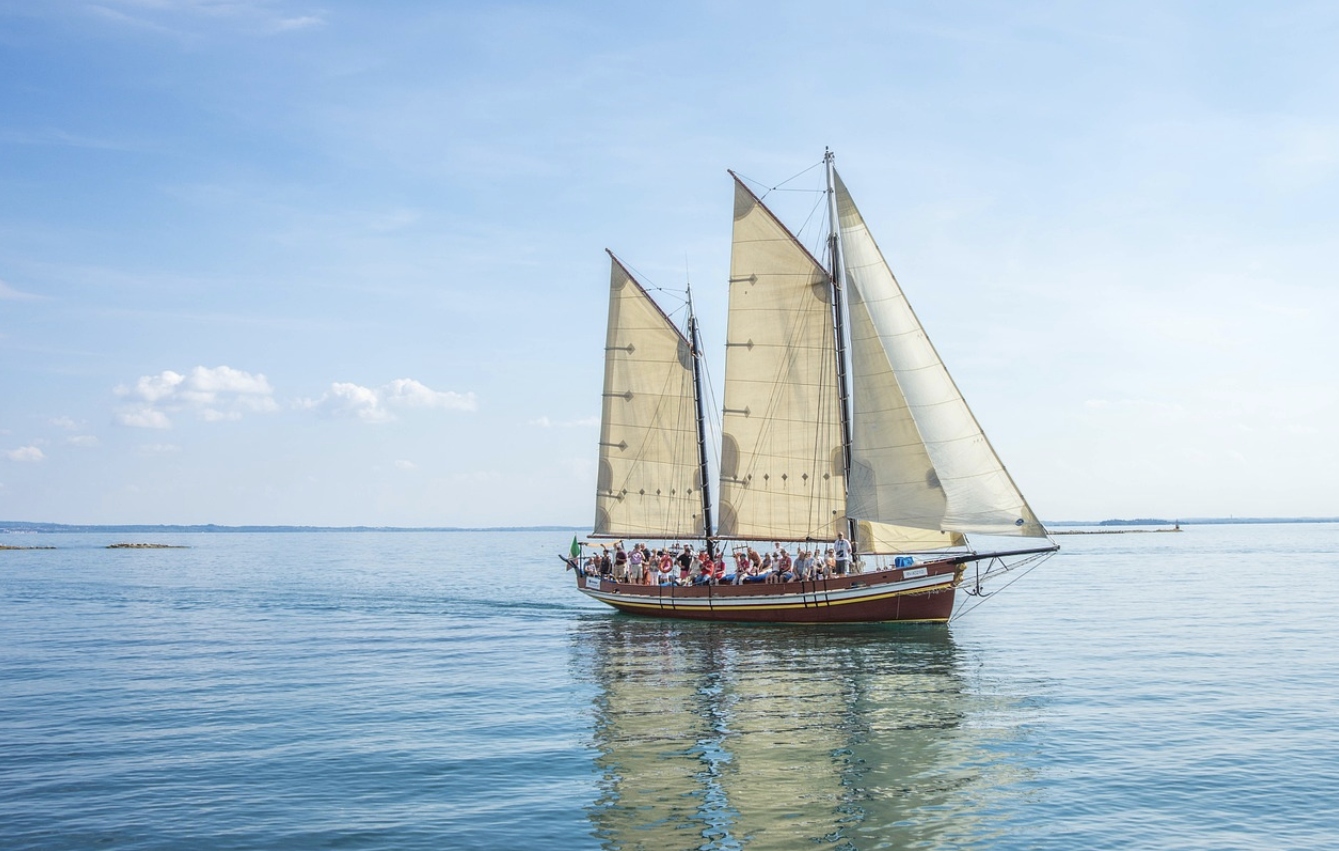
point(920, 594)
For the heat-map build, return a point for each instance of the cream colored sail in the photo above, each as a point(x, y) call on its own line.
point(888, 538)
point(781, 459)
point(919, 458)
point(648, 474)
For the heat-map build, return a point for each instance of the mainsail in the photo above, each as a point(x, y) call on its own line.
point(919, 457)
point(781, 462)
point(782, 466)
point(648, 481)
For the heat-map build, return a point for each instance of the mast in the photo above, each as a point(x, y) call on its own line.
point(705, 485)
point(838, 314)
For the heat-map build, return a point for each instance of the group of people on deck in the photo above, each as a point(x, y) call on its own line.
point(643, 565)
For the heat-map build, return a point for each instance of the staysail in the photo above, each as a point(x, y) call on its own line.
point(648, 480)
point(781, 463)
point(918, 456)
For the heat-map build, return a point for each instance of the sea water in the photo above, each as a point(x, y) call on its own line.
point(455, 691)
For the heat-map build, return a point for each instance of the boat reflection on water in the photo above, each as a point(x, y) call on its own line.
point(712, 735)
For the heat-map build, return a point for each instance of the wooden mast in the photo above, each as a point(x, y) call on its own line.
point(705, 482)
point(839, 326)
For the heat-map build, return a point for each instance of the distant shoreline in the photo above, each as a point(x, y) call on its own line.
point(28, 527)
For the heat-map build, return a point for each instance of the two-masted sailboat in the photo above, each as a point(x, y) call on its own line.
point(838, 417)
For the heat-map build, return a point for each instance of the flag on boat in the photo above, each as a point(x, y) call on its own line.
point(576, 548)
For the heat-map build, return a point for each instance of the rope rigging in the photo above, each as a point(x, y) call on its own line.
point(1026, 565)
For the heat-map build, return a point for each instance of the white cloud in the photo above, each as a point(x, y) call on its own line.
point(65, 423)
point(215, 394)
point(24, 453)
point(349, 400)
point(406, 465)
point(412, 394)
point(85, 440)
point(377, 405)
point(151, 388)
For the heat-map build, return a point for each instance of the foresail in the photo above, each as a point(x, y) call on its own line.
point(919, 458)
point(781, 458)
point(648, 473)
point(888, 538)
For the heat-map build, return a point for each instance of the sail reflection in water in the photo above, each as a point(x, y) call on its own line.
point(726, 736)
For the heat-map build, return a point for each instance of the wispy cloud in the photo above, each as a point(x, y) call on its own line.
point(58, 137)
point(214, 394)
point(87, 441)
point(378, 405)
point(8, 293)
point(303, 22)
point(24, 453)
point(179, 17)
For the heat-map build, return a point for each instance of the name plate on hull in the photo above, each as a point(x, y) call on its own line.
point(914, 573)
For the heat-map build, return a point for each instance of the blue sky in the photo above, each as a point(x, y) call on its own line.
point(342, 263)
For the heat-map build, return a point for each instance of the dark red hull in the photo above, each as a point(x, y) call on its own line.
point(920, 594)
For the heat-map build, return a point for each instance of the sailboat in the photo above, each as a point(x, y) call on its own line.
point(838, 420)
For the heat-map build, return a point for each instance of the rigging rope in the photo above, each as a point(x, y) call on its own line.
point(981, 596)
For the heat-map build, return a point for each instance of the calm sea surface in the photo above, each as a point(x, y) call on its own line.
point(454, 691)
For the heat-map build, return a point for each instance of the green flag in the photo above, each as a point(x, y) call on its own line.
point(576, 548)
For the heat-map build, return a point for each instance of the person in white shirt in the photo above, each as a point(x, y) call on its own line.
point(841, 548)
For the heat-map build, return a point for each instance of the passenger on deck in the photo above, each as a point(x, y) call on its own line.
point(635, 564)
point(842, 552)
point(703, 574)
point(702, 571)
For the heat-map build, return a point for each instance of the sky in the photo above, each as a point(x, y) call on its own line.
point(342, 263)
